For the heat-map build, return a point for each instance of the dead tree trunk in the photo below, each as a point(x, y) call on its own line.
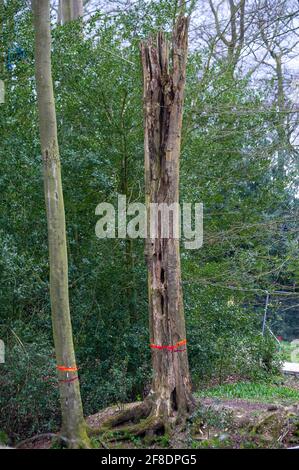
point(73, 424)
point(170, 399)
point(163, 109)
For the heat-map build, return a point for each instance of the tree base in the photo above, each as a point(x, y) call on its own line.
point(148, 419)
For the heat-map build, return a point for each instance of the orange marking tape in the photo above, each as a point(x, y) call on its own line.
point(69, 380)
point(170, 348)
point(67, 369)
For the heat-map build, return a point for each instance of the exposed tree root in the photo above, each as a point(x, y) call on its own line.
point(148, 427)
point(37, 437)
point(132, 415)
point(58, 439)
point(143, 420)
point(55, 438)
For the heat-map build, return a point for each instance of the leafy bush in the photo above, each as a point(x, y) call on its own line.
point(226, 340)
point(29, 393)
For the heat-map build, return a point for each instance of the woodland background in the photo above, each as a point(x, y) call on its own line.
point(239, 157)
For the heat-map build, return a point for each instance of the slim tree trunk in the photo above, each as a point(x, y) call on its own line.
point(282, 133)
point(73, 424)
point(163, 109)
point(70, 10)
point(2, 48)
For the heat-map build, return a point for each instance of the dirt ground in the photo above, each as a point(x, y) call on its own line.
point(217, 423)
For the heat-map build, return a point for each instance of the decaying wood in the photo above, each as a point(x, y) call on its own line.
point(164, 83)
point(170, 399)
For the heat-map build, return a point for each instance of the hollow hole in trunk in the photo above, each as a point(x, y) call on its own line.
point(174, 400)
point(160, 431)
point(162, 275)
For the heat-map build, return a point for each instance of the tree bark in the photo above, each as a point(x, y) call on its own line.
point(70, 10)
point(163, 109)
point(282, 133)
point(73, 424)
point(2, 48)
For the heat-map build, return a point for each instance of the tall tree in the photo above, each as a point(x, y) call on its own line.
point(275, 23)
point(163, 108)
point(170, 399)
point(236, 26)
point(70, 10)
point(73, 424)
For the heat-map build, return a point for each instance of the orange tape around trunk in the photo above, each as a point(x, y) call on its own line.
point(69, 380)
point(170, 348)
point(67, 369)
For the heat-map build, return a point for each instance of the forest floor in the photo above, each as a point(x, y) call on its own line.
point(232, 415)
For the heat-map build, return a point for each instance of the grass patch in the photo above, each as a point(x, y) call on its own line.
point(289, 351)
point(254, 391)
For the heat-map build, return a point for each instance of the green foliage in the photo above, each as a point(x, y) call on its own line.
point(29, 387)
point(227, 163)
point(225, 339)
point(289, 352)
point(206, 416)
point(213, 443)
point(255, 391)
point(3, 438)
